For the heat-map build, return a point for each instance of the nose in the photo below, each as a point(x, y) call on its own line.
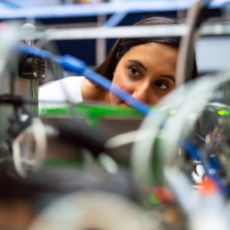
point(141, 92)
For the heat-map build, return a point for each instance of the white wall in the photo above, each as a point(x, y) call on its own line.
point(213, 53)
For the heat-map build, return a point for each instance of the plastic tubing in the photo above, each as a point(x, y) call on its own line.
point(189, 99)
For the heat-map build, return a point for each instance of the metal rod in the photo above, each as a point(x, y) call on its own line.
point(99, 9)
point(129, 31)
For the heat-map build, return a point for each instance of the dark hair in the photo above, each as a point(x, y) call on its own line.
point(122, 45)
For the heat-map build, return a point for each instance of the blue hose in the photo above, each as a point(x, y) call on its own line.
point(75, 65)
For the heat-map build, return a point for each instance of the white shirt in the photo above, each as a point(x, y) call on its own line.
point(64, 90)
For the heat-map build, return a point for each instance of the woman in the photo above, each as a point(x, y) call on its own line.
point(144, 67)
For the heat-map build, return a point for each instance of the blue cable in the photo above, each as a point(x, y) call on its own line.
point(77, 66)
point(194, 153)
point(106, 84)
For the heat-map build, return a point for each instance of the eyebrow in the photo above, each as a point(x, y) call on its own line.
point(138, 63)
point(171, 77)
point(168, 76)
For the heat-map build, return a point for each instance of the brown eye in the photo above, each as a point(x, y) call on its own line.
point(134, 71)
point(162, 85)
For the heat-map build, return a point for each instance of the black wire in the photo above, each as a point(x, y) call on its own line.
point(203, 14)
point(19, 100)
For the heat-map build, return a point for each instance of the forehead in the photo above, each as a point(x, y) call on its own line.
point(153, 50)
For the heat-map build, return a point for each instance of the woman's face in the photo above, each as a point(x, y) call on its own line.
point(147, 72)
